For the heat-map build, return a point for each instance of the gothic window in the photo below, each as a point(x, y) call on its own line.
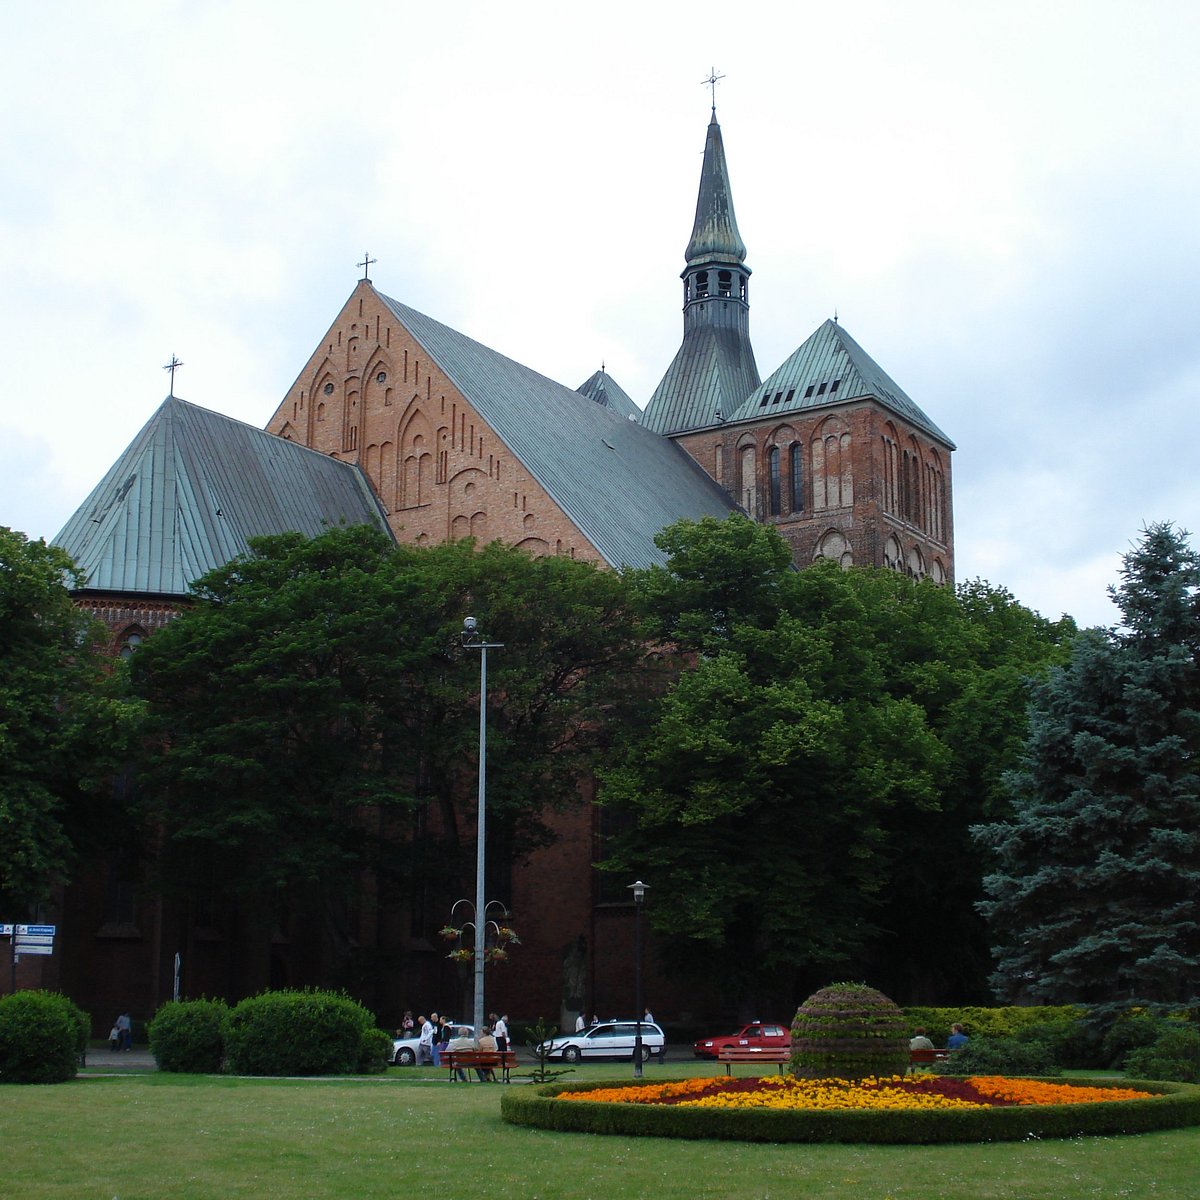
point(479, 527)
point(832, 472)
point(719, 464)
point(937, 572)
point(129, 642)
point(834, 546)
point(775, 481)
point(320, 412)
point(749, 492)
point(916, 563)
point(796, 472)
point(892, 556)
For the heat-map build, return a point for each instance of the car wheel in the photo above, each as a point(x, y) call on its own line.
point(571, 1054)
point(646, 1052)
point(405, 1057)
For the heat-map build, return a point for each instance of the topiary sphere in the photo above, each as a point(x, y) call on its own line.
point(849, 1031)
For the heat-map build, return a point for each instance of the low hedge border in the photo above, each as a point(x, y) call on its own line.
point(1171, 1106)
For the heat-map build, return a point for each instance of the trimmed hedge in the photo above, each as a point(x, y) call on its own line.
point(297, 1033)
point(43, 1036)
point(189, 1036)
point(1174, 1054)
point(1170, 1106)
point(1008, 1021)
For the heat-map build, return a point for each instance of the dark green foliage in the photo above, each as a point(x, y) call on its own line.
point(1174, 1054)
point(375, 1052)
point(1096, 893)
point(42, 1036)
point(348, 710)
point(1001, 1056)
point(64, 726)
point(1071, 1043)
point(189, 1036)
point(297, 1033)
point(849, 1031)
point(537, 1037)
point(1170, 1106)
point(1130, 1031)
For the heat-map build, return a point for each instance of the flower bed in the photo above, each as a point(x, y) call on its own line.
point(900, 1109)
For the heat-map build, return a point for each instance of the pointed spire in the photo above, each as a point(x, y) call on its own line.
point(715, 236)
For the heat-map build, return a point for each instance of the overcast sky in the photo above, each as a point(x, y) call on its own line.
point(1000, 202)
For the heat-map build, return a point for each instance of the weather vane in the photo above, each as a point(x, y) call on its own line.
point(711, 82)
point(366, 265)
point(171, 366)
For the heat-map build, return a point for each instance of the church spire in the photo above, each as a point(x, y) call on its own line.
point(715, 234)
point(714, 370)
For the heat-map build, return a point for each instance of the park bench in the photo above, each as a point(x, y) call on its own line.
point(753, 1054)
point(927, 1058)
point(479, 1060)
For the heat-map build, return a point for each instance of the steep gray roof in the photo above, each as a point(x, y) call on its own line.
point(608, 393)
point(618, 482)
point(710, 376)
point(831, 368)
point(191, 490)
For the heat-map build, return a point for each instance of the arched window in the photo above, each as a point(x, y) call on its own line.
point(796, 472)
point(749, 493)
point(835, 546)
point(774, 481)
point(130, 641)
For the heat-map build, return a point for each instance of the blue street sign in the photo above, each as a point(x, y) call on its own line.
point(38, 930)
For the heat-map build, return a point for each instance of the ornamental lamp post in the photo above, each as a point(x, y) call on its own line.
point(472, 639)
point(639, 895)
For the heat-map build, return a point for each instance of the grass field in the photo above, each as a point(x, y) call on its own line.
point(410, 1133)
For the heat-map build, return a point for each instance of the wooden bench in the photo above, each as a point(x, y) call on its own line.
point(927, 1058)
point(754, 1054)
point(479, 1060)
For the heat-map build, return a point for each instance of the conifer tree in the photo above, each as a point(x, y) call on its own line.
point(1096, 893)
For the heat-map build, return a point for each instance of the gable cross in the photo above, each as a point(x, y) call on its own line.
point(366, 266)
point(171, 366)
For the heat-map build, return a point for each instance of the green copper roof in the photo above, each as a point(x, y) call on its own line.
point(191, 490)
point(605, 391)
point(618, 482)
point(831, 368)
point(715, 236)
point(711, 374)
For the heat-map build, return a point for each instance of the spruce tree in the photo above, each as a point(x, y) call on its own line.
point(1096, 893)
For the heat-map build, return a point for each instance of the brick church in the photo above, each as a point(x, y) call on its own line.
point(400, 421)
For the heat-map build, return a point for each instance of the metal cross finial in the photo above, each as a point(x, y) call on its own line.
point(366, 264)
point(171, 366)
point(712, 81)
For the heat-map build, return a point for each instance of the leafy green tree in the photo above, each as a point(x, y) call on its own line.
point(313, 714)
point(64, 725)
point(801, 798)
point(1096, 893)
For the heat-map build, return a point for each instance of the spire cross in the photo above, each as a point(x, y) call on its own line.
point(366, 264)
point(171, 366)
point(711, 82)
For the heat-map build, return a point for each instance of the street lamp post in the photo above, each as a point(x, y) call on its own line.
point(472, 639)
point(639, 895)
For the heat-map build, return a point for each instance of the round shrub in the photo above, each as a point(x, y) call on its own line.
point(849, 1031)
point(296, 1033)
point(1173, 1055)
point(189, 1036)
point(42, 1035)
point(1002, 1056)
point(375, 1052)
point(1129, 1032)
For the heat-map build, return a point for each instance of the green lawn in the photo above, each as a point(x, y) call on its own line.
point(149, 1136)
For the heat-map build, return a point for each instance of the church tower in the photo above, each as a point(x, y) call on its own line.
point(714, 369)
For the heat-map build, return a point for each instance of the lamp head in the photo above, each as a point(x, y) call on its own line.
point(470, 625)
point(639, 891)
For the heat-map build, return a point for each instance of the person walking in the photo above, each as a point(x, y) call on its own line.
point(425, 1046)
point(500, 1033)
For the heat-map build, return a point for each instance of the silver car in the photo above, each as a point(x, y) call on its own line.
point(405, 1050)
point(609, 1039)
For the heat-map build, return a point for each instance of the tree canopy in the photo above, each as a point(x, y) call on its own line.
point(64, 725)
point(1095, 896)
point(313, 713)
point(801, 797)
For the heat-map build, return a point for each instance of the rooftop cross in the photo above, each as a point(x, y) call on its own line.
point(366, 265)
point(712, 81)
point(171, 366)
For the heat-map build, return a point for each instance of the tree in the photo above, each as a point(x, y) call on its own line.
point(64, 725)
point(313, 715)
point(801, 798)
point(1095, 896)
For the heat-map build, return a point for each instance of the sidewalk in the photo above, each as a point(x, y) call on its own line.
point(101, 1060)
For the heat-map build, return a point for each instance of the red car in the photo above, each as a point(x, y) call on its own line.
point(757, 1036)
